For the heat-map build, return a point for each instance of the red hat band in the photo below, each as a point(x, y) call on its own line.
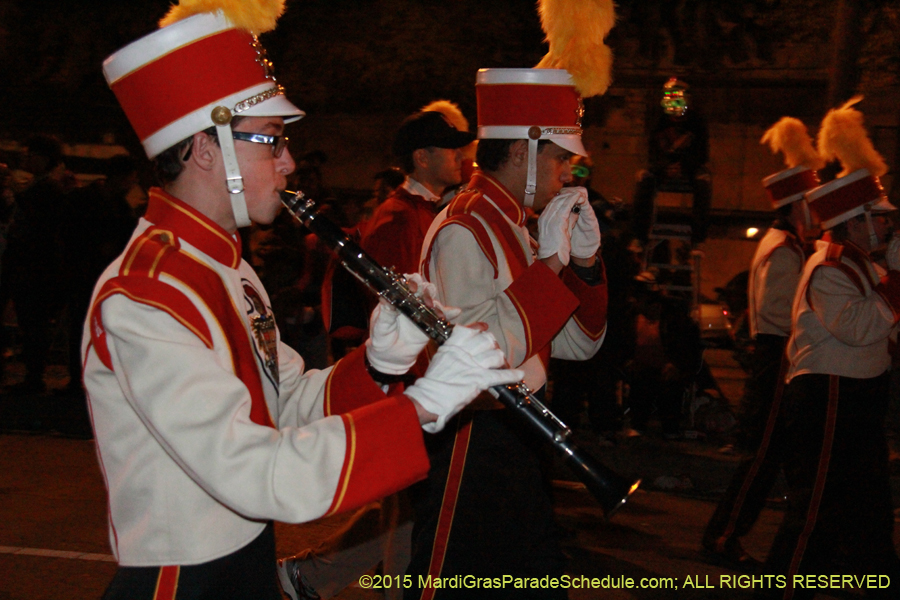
point(844, 198)
point(527, 105)
point(789, 185)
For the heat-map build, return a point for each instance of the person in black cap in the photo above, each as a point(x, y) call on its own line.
point(428, 147)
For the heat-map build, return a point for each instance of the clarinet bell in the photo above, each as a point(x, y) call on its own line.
point(609, 488)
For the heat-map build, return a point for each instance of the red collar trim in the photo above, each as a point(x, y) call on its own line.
point(499, 195)
point(166, 211)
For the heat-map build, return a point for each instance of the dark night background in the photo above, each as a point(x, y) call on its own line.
point(369, 57)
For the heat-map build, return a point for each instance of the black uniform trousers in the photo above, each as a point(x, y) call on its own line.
point(764, 433)
point(839, 519)
point(248, 574)
point(485, 509)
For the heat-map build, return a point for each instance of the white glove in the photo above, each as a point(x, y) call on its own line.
point(394, 341)
point(463, 366)
point(586, 234)
point(555, 224)
point(892, 256)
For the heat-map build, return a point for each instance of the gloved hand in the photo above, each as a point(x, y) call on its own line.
point(586, 234)
point(555, 225)
point(463, 366)
point(892, 255)
point(394, 341)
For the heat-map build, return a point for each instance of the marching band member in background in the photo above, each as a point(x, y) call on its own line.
point(843, 313)
point(774, 274)
point(484, 510)
point(485, 507)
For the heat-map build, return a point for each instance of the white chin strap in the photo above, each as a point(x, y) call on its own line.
point(807, 217)
point(874, 242)
point(531, 181)
point(233, 176)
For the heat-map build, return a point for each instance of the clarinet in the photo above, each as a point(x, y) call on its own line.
point(609, 488)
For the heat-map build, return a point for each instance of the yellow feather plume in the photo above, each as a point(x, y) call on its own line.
point(254, 16)
point(449, 110)
point(575, 30)
point(843, 137)
point(790, 137)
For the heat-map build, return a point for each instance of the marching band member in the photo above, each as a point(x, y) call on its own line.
point(485, 510)
point(843, 314)
point(207, 427)
point(774, 274)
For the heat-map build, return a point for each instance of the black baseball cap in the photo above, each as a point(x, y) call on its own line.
point(429, 128)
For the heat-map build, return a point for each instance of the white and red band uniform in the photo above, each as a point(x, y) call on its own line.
point(774, 274)
point(843, 315)
point(778, 261)
point(846, 307)
point(196, 460)
point(483, 261)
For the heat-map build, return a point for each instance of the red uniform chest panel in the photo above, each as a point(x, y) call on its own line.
point(157, 252)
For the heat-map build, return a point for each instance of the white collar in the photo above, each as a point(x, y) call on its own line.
point(414, 187)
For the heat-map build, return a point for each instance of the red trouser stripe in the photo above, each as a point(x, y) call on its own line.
point(448, 506)
point(167, 583)
point(819, 486)
point(758, 459)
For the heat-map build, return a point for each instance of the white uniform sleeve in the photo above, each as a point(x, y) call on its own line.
point(852, 318)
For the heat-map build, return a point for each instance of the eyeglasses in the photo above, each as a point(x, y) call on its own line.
point(278, 142)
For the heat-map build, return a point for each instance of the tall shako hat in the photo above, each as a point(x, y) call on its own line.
point(857, 190)
point(789, 185)
point(532, 104)
point(789, 136)
point(544, 103)
point(516, 104)
point(203, 66)
point(842, 199)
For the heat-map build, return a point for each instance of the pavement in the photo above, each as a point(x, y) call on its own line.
point(53, 508)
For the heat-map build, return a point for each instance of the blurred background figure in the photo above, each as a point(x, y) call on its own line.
point(33, 263)
point(100, 223)
point(678, 150)
point(664, 357)
point(7, 214)
point(7, 205)
point(386, 182)
point(453, 114)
